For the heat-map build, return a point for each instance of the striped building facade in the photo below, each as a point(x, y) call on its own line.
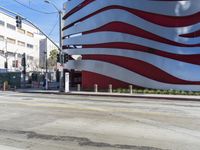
point(146, 43)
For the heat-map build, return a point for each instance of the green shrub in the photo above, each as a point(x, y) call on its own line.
point(151, 92)
point(171, 91)
point(190, 93)
point(140, 91)
point(176, 92)
point(134, 91)
point(118, 90)
point(164, 92)
point(145, 91)
point(114, 90)
point(158, 92)
point(154, 91)
point(124, 91)
point(183, 93)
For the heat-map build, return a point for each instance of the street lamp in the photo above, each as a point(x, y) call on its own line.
point(60, 40)
point(46, 73)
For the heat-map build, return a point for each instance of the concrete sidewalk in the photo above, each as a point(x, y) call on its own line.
point(103, 94)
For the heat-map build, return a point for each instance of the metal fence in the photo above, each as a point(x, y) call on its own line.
point(13, 79)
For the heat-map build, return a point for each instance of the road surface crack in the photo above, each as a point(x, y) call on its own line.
point(80, 140)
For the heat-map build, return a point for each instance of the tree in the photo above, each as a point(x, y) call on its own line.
point(52, 60)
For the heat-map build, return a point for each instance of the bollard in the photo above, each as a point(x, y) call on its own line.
point(4, 86)
point(78, 87)
point(96, 88)
point(131, 89)
point(110, 88)
point(15, 88)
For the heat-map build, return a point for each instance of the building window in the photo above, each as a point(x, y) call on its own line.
point(22, 31)
point(15, 64)
point(30, 34)
point(10, 26)
point(20, 43)
point(12, 41)
point(30, 57)
point(2, 23)
point(1, 38)
point(30, 46)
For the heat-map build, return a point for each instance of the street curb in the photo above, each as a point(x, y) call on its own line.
point(141, 96)
point(168, 97)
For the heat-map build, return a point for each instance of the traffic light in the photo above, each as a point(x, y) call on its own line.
point(66, 58)
point(18, 22)
point(58, 58)
point(23, 60)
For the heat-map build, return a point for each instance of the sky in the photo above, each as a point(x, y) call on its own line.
point(46, 22)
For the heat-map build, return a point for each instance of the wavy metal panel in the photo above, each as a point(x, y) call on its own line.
point(119, 38)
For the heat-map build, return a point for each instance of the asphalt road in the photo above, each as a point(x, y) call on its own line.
point(52, 122)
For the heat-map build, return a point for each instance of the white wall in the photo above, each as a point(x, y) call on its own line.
point(45, 45)
point(32, 64)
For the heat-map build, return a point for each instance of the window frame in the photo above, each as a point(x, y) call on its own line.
point(11, 27)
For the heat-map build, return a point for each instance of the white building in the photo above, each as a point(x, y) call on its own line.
point(45, 46)
point(14, 42)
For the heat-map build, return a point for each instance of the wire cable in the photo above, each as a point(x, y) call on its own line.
point(53, 28)
point(43, 12)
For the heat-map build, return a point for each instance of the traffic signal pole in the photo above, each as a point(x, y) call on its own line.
point(61, 55)
point(46, 73)
point(24, 69)
point(61, 87)
point(6, 55)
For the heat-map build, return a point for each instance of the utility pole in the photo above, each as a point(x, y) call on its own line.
point(16, 60)
point(24, 68)
point(60, 43)
point(61, 54)
point(46, 62)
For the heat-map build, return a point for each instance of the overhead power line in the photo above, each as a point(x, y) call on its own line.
point(43, 12)
point(53, 28)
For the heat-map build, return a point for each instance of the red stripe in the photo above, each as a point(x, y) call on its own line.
point(90, 78)
point(163, 20)
point(191, 35)
point(193, 59)
point(140, 67)
point(77, 8)
point(133, 30)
